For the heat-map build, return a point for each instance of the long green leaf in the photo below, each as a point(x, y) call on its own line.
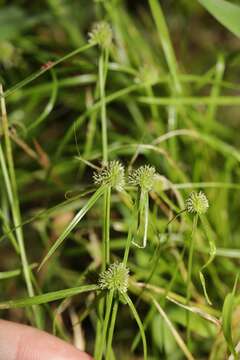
point(212, 254)
point(227, 312)
point(48, 297)
point(226, 13)
point(50, 105)
point(139, 322)
point(163, 33)
point(140, 239)
point(174, 332)
point(43, 69)
point(13, 273)
point(73, 224)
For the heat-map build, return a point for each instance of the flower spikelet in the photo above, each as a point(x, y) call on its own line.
point(197, 203)
point(115, 278)
point(101, 34)
point(144, 177)
point(112, 175)
point(147, 74)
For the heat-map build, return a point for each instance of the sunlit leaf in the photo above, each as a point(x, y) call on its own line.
point(226, 13)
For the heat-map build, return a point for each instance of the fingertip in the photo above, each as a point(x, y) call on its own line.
point(18, 342)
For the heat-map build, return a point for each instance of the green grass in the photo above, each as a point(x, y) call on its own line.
point(164, 93)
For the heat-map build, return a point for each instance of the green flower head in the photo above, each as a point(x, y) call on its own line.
point(197, 203)
point(115, 278)
point(113, 175)
point(101, 35)
point(144, 177)
point(147, 74)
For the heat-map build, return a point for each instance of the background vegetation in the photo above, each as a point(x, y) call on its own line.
point(172, 101)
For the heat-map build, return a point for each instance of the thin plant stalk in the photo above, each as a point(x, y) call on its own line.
point(15, 207)
point(102, 80)
point(105, 260)
point(142, 228)
point(111, 328)
point(48, 297)
point(116, 302)
point(106, 227)
point(105, 326)
point(128, 245)
point(99, 327)
point(154, 110)
point(189, 275)
point(102, 69)
point(77, 218)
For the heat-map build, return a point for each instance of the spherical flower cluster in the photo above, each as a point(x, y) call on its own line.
point(113, 175)
point(115, 278)
point(147, 74)
point(197, 203)
point(101, 35)
point(144, 177)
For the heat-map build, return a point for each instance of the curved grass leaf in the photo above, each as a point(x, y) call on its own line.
point(43, 69)
point(73, 224)
point(227, 312)
point(226, 13)
point(167, 46)
point(50, 105)
point(174, 332)
point(13, 273)
point(140, 240)
point(139, 322)
point(48, 297)
point(212, 253)
point(79, 121)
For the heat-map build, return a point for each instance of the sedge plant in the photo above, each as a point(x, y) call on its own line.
point(127, 95)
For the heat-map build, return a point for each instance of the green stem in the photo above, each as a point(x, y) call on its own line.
point(105, 261)
point(48, 297)
point(99, 327)
point(111, 329)
point(106, 228)
point(146, 323)
point(189, 275)
point(77, 218)
point(154, 110)
point(105, 325)
point(102, 80)
point(102, 73)
point(15, 207)
point(128, 245)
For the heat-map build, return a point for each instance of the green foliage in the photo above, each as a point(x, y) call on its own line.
point(227, 314)
point(122, 138)
point(225, 12)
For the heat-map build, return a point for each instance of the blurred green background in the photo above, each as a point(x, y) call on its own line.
point(49, 172)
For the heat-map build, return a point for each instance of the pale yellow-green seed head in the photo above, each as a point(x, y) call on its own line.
point(144, 177)
point(101, 35)
point(112, 175)
point(115, 278)
point(197, 203)
point(147, 74)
